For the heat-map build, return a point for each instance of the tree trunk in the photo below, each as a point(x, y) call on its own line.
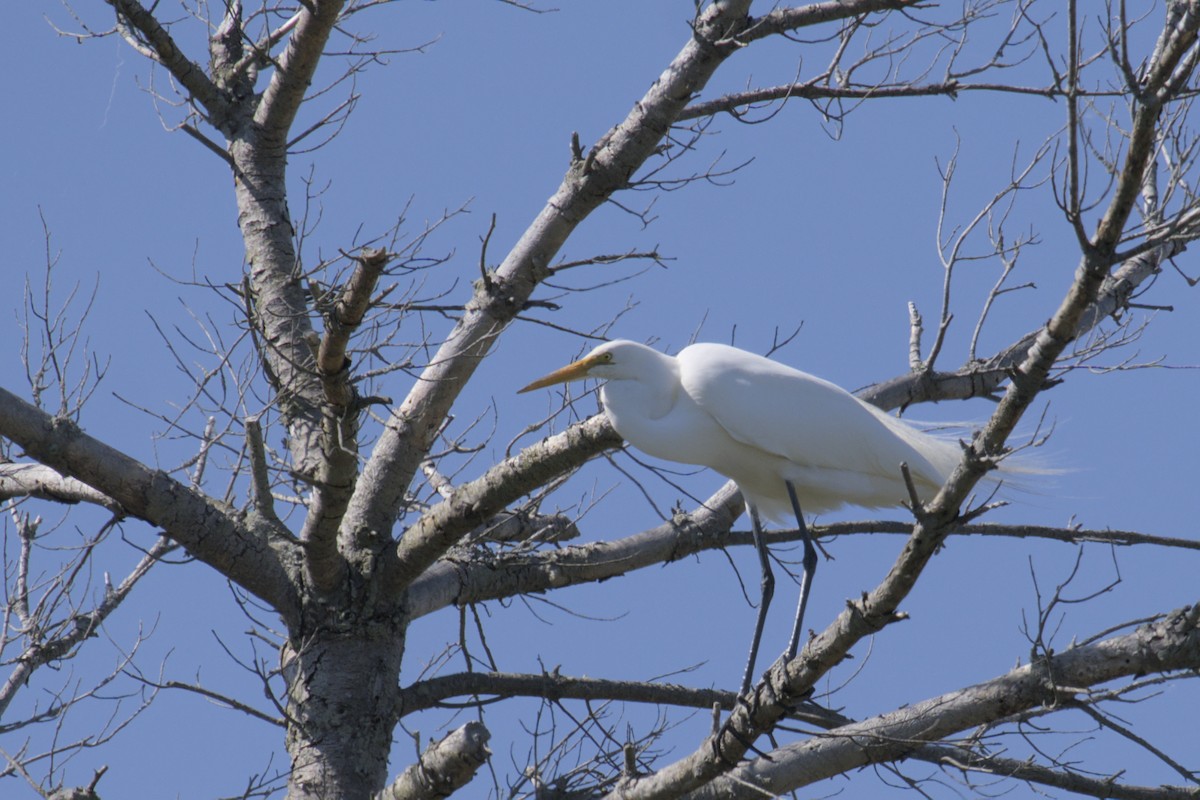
point(343, 704)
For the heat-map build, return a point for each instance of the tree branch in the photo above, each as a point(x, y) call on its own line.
point(434, 692)
point(446, 766)
point(334, 484)
point(37, 480)
point(85, 624)
point(731, 103)
point(295, 67)
point(163, 49)
point(1172, 643)
point(472, 504)
point(472, 580)
point(211, 533)
point(1107, 788)
point(783, 19)
point(985, 378)
point(476, 578)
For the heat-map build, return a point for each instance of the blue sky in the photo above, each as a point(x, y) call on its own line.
point(834, 234)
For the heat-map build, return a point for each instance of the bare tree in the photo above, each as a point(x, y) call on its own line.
point(373, 515)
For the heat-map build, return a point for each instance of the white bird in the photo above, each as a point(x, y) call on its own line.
point(789, 440)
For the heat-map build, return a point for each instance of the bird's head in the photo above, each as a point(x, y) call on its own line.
point(604, 363)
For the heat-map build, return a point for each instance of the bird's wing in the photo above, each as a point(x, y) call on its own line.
point(812, 423)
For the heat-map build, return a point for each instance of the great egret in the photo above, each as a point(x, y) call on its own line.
point(789, 440)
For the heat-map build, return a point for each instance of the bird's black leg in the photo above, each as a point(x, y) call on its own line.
point(768, 589)
point(810, 568)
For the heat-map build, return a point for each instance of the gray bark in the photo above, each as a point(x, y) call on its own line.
point(37, 480)
point(445, 767)
point(343, 692)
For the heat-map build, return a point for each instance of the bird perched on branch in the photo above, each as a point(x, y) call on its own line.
point(792, 442)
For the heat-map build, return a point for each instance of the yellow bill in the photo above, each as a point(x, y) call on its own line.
point(571, 372)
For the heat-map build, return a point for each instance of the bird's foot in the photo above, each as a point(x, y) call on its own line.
point(740, 733)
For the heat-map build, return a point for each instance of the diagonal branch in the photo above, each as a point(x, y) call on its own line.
point(210, 532)
point(1025, 770)
point(472, 504)
point(84, 624)
point(444, 767)
point(295, 68)
point(1172, 643)
point(163, 49)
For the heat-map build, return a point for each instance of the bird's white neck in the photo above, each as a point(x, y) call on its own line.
point(650, 393)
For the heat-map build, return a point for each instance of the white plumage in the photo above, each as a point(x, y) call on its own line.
point(761, 423)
